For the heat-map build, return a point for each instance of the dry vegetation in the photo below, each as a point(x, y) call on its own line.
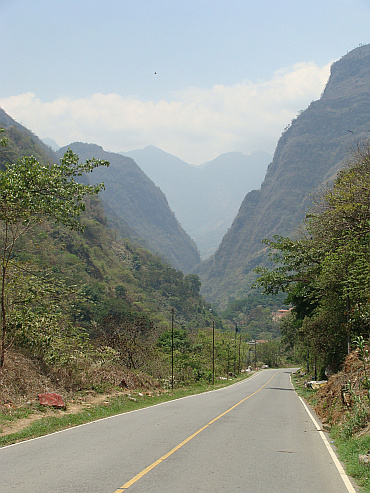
point(22, 379)
point(345, 397)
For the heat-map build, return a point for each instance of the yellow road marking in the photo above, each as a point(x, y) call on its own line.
point(164, 457)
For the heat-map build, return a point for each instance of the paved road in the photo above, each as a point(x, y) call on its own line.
point(254, 436)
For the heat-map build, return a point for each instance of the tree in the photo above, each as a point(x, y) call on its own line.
point(131, 337)
point(30, 193)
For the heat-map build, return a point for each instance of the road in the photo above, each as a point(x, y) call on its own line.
point(255, 436)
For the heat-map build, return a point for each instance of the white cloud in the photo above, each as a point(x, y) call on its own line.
point(195, 124)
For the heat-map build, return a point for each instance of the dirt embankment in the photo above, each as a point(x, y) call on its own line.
point(339, 397)
point(22, 379)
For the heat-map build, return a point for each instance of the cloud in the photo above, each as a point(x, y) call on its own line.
point(194, 124)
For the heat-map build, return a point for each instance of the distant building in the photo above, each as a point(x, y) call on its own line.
point(276, 316)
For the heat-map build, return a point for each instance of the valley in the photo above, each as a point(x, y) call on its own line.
point(139, 267)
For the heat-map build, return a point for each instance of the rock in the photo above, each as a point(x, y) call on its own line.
point(316, 385)
point(51, 399)
point(123, 384)
point(313, 384)
point(364, 459)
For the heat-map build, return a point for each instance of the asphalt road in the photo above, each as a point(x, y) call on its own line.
point(255, 436)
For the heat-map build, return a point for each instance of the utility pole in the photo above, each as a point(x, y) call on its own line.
point(213, 352)
point(236, 331)
point(255, 354)
point(253, 343)
point(172, 317)
point(240, 342)
point(348, 307)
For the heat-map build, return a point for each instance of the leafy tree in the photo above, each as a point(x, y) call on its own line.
point(39, 321)
point(181, 341)
point(130, 336)
point(30, 193)
point(269, 353)
point(193, 283)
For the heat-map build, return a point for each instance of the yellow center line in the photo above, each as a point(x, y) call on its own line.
point(164, 457)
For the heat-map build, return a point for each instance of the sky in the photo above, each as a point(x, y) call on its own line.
point(194, 78)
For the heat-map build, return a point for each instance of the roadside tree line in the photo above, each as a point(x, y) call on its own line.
point(324, 270)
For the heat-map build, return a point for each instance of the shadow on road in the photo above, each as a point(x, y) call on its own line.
point(280, 388)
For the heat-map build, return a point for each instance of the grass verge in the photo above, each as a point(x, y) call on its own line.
point(348, 451)
point(113, 405)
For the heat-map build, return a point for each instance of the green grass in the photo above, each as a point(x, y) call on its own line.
point(348, 451)
point(6, 418)
point(115, 405)
point(306, 393)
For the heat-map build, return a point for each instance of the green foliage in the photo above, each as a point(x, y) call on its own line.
point(253, 315)
point(3, 140)
point(181, 341)
point(363, 355)
point(29, 193)
point(271, 353)
point(325, 272)
point(349, 450)
point(76, 296)
point(17, 142)
point(195, 352)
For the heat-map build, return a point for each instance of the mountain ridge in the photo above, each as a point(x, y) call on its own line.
point(137, 201)
point(309, 152)
point(204, 198)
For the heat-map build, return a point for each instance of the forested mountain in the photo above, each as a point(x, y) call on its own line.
point(134, 204)
point(72, 295)
point(309, 152)
point(204, 198)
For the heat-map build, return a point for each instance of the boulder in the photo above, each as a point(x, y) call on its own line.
point(314, 384)
point(52, 400)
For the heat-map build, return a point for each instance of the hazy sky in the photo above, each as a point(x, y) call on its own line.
point(195, 78)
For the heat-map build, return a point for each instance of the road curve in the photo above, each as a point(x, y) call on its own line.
point(254, 436)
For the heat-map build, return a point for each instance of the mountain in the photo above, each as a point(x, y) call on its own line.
point(21, 142)
point(309, 153)
point(96, 258)
point(204, 198)
point(130, 196)
point(51, 143)
point(85, 307)
point(136, 208)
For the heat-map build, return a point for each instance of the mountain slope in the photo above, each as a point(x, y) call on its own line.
point(117, 277)
point(308, 153)
point(204, 198)
point(21, 142)
point(135, 199)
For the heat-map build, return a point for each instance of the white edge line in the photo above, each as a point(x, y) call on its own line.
point(339, 466)
point(122, 414)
